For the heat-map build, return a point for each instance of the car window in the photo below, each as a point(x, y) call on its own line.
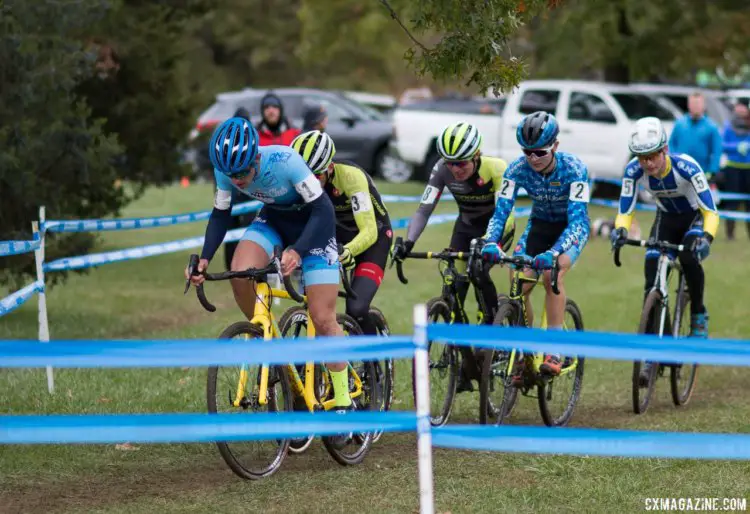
point(335, 110)
point(588, 107)
point(539, 100)
point(680, 101)
point(638, 106)
point(220, 111)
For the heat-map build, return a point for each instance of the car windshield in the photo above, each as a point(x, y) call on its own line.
point(638, 106)
point(221, 110)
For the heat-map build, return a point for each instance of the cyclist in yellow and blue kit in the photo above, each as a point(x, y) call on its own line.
point(296, 215)
point(686, 213)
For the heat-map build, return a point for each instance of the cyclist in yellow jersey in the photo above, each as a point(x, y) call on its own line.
point(362, 222)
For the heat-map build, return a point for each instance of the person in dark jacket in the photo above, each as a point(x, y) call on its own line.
point(315, 118)
point(242, 220)
point(274, 128)
point(736, 170)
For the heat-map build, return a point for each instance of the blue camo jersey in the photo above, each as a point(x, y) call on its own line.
point(561, 196)
point(284, 181)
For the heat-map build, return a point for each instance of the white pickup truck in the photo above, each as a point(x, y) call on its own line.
point(595, 121)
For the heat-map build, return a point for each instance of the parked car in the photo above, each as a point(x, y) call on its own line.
point(361, 134)
point(716, 109)
point(732, 95)
point(595, 119)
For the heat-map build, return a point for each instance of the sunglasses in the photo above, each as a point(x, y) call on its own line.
point(542, 152)
point(241, 174)
point(457, 164)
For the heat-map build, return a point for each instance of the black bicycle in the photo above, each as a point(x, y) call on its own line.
point(655, 319)
point(446, 359)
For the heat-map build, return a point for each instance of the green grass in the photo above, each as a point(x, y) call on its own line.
point(142, 299)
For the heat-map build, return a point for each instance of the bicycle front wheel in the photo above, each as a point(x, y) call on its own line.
point(234, 389)
point(497, 394)
point(643, 390)
point(559, 395)
point(682, 376)
point(443, 367)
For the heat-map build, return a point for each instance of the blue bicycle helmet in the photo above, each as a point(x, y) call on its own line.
point(537, 130)
point(233, 146)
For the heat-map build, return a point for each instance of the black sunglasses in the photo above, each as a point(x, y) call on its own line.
point(538, 153)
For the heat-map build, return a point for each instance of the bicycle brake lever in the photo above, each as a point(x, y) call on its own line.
point(191, 269)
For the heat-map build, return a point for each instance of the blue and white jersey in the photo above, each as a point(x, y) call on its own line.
point(560, 196)
point(283, 181)
point(682, 188)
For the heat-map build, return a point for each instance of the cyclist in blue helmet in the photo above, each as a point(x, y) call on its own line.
point(297, 215)
point(558, 226)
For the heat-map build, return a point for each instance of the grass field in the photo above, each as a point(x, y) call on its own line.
point(142, 299)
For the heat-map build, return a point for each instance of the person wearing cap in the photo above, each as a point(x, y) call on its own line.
point(736, 170)
point(315, 118)
point(274, 128)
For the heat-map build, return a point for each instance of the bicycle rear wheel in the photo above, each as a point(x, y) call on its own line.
point(559, 395)
point(682, 376)
point(352, 448)
point(497, 394)
point(293, 324)
point(443, 367)
point(384, 368)
point(251, 460)
point(648, 325)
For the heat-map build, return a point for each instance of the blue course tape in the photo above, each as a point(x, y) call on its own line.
point(730, 215)
point(15, 300)
point(196, 352)
point(592, 441)
point(598, 345)
point(138, 223)
point(198, 428)
point(18, 247)
point(139, 252)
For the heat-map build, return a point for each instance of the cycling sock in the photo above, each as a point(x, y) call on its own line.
point(340, 382)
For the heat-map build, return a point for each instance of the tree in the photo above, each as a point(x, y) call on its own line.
point(634, 40)
point(89, 97)
point(473, 38)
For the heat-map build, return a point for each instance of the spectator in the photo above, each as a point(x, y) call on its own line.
point(736, 171)
point(315, 118)
point(274, 128)
point(698, 136)
point(242, 220)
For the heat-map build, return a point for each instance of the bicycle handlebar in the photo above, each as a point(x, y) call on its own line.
point(522, 261)
point(648, 244)
point(444, 255)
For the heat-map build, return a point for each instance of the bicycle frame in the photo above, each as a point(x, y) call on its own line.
point(665, 265)
point(264, 318)
point(534, 360)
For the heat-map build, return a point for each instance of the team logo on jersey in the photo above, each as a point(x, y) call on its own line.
point(558, 184)
point(279, 157)
point(389, 233)
point(480, 181)
point(336, 192)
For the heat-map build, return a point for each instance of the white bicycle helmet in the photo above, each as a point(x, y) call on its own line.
point(648, 136)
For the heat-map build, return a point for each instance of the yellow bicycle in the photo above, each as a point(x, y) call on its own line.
point(249, 389)
point(505, 373)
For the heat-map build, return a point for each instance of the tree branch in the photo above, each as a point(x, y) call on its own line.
point(395, 17)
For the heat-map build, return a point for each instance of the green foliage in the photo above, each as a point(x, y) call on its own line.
point(473, 38)
point(89, 98)
point(635, 40)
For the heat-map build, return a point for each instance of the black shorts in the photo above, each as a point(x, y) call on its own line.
point(372, 262)
point(463, 233)
point(542, 236)
point(674, 228)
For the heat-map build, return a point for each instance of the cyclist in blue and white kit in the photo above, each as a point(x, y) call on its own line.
point(297, 216)
point(558, 227)
point(686, 213)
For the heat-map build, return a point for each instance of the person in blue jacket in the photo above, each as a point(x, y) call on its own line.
point(736, 171)
point(698, 136)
